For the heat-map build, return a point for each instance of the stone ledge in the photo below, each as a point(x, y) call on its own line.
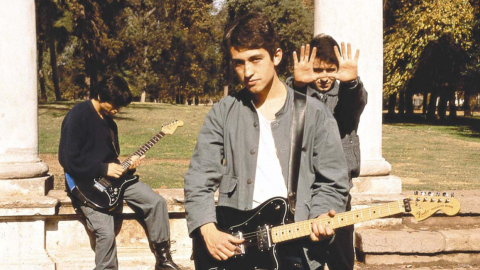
point(406, 261)
point(174, 198)
point(14, 206)
point(409, 241)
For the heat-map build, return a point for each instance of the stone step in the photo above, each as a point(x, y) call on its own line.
point(441, 266)
point(128, 259)
point(403, 241)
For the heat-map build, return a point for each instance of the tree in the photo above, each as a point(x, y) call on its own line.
point(412, 26)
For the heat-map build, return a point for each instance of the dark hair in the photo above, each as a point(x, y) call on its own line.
point(252, 31)
point(324, 44)
point(114, 89)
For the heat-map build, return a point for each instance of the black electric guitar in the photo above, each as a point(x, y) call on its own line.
point(266, 231)
point(104, 193)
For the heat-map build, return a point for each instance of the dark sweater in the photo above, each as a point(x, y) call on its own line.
point(86, 144)
point(347, 105)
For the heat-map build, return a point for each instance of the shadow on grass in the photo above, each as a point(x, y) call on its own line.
point(463, 126)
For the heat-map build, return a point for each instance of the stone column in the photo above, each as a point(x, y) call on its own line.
point(21, 171)
point(23, 176)
point(360, 22)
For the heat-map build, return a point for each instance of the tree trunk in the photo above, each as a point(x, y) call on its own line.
point(442, 106)
point(409, 103)
point(53, 53)
point(453, 106)
point(401, 104)
point(40, 48)
point(425, 103)
point(392, 100)
point(432, 106)
point(467, 110)
point(41, 77)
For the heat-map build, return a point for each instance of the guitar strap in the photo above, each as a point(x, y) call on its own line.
point(296, 138)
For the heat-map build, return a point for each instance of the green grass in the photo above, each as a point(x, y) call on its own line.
point(434, 156)
point(166, 162)
point(426, 156)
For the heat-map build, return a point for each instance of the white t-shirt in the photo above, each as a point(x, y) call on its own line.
point(269, 181)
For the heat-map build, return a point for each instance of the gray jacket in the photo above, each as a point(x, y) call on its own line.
point(347, 105)
point(225, 158)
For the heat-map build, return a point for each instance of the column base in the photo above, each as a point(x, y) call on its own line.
point(388, 184)
point(38, 186)
point(23, 245)
point(377, 167)
point(23, 170)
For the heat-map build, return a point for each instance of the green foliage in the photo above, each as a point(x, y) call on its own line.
point(170, 50)
point(293, 20)
point(412, 26)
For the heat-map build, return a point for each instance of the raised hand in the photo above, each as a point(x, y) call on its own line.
point(303, 68)
point(347, 67)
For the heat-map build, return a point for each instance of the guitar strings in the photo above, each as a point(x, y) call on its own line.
point(378, 211)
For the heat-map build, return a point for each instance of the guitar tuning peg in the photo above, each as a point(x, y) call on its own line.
point(423, 193)
point(432, 200)
point(452, 195)
point(415, 192)
point(447, 200)
point(445, 194)
point(430, 193)
point(438, 193)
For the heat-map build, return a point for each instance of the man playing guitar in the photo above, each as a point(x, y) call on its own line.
point(89, 149)
point(243, 150)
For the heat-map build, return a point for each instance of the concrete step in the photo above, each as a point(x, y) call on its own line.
point(128, 259)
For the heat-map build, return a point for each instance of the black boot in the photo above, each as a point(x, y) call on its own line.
point(164, 257)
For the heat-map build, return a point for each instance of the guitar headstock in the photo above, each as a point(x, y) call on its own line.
point(170, 128)
point(424, 204)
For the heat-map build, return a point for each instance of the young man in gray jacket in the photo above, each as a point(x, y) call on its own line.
point(243, 148)
point(316, 75)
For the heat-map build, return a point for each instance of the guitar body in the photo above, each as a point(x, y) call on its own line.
point(245, 224)
point(103, 193)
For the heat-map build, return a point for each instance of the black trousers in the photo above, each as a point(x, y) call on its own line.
point(336, 253)
point(340, 251)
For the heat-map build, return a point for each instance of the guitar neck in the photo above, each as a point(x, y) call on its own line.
point(304, 228)
point(142, 150)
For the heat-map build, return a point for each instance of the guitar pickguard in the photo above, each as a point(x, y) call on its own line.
point(253, 226)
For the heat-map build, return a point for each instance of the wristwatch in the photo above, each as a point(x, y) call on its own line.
point(352, 84)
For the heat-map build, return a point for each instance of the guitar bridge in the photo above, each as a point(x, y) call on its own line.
point(263, 238)
point(240, 250)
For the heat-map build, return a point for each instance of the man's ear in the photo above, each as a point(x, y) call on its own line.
point(277, 57)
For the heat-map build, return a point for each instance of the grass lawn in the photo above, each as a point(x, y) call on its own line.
point(434, 156)
point(425, 156)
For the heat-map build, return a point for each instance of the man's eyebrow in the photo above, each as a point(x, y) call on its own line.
point(255, 56)
point(258, 55)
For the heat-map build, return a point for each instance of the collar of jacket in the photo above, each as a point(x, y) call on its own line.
point(246, 97)
point(332, 92)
